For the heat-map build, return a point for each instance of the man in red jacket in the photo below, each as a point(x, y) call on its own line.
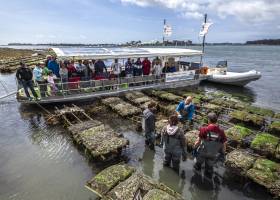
point(210, 142)
point(146, 66)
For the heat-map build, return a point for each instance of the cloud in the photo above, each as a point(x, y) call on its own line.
point(250, 11)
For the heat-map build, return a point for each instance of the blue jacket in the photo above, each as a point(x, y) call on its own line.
point(53, 65)
point(37, 73)
point(186, 111)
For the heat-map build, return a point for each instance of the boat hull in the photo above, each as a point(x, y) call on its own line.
point(234, 78)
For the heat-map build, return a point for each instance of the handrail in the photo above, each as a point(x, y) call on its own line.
point(71, 88)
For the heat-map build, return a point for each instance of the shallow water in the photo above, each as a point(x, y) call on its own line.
point(40, 162)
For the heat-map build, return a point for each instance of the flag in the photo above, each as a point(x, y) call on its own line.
point(167, 30)
point(204, 29)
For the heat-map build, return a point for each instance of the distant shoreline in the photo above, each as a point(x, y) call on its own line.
point(157, 43)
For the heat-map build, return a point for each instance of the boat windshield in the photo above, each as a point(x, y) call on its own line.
point(222, 64)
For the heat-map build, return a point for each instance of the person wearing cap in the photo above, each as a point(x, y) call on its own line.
point(210, 143)
point(24, 76)
point(185, 110)
point(149, 124)
point(173, 141)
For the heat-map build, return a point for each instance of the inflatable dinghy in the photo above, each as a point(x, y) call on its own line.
point(219, 74)
point(235, 78)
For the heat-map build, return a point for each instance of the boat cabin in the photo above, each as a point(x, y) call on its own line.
point(167, 67)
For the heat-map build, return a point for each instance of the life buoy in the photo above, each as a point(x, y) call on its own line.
point(204, 70)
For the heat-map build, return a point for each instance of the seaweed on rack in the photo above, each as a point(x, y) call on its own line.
point(265, 144)
point(76, 128)
point(191, 137)
point(133, 95)
point(127, 189)
point(274, 128)
point(238, 134)
point(121, 107)
point(108, 178)
point(101, 142)
point(156, 194)
point(266, 173)
point(160, 124)
point(168, 109)
point(239, 162)
point(250, 119)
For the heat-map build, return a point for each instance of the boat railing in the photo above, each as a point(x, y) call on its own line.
point(76, 87)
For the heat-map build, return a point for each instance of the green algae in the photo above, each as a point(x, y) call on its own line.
point(243, 116)
point(169, 109)
point(212, 107)
point(121, 107)
point(260, 111)
point(110, 177)
point(277, 115)
point(264, 172)
point(265, 143)
point(157, 194)
point(277, 152)
point(238, 133)
point(122, 182)
point(274, 127)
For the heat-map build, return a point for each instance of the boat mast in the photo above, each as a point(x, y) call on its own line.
point(164, 23)
point(203, 42)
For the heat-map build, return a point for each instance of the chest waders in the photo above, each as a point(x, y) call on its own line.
point(208, 151)
point(172, 151)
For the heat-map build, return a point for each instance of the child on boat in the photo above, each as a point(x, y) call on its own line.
point(51, 78)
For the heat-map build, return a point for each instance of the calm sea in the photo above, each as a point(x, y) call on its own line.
point(40, 162)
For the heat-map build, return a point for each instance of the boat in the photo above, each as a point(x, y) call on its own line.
point(77, 90)
point(219, 74)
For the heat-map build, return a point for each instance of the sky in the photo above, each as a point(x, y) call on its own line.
point(118, 21)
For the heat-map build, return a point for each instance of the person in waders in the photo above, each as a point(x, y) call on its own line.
point(173, 141)
point(149, 125)
point(210, 143)
point(185, 111)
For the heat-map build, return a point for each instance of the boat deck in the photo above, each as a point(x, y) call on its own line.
point(110, 90)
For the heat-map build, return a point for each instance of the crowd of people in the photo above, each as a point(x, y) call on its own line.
point(209, 147)
point(65, 71)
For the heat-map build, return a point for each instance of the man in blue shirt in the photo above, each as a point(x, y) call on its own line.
point(54, 66)
point(185, 110)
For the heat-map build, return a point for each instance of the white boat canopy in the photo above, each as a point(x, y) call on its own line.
point(124, 52)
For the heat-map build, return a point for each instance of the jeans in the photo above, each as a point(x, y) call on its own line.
point(26, 85)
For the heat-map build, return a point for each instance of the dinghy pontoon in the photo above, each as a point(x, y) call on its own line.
point(219, 74)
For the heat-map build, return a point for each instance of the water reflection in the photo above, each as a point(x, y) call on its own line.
point(243, 93)
point(211, 187)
